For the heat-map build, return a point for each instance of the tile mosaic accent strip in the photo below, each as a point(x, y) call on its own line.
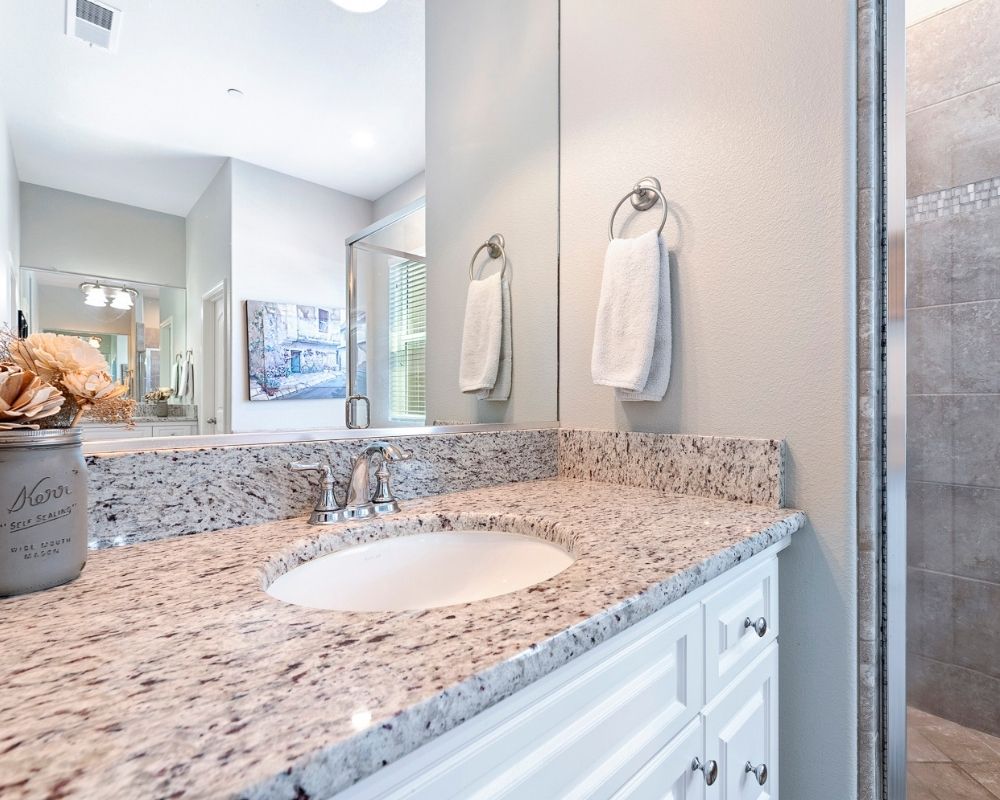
point(955, 200)
point(145, 496)
point(869, 281)
point(745, 470)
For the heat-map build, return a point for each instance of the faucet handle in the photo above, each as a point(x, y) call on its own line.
point(328, 508)
point(389, 452)
point(383, 499)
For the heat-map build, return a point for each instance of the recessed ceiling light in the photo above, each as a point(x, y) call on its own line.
point(363, 140)
point(234, 92)
point(360, 6)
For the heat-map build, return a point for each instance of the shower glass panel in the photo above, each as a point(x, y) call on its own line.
point(953, 399)
point(387, 306)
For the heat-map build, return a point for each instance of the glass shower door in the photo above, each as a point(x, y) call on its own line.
point(387, 314)
point(953, 400)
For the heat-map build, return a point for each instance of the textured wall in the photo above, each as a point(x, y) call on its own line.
point(747, 117)
point(953, 381)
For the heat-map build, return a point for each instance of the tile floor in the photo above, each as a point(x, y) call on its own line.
point(946, 761)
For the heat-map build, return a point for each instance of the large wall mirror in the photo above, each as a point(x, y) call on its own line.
point(257, 210)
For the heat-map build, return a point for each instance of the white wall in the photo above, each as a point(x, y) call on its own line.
point(173, 306)
point(402, 195)
point(10, 227)
point(288, 246)
point(76, 233)
point(746, 114)
point(209, 233)
point(492, 167)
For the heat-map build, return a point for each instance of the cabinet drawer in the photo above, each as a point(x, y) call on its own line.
point(741, 730)
point(578, 733)
point(668, 774)
point(731, 644)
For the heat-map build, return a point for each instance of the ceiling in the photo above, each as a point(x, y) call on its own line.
point(329, 96)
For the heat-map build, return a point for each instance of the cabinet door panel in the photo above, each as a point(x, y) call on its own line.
point(587, 729)
point(741, 727)
point(668, 774)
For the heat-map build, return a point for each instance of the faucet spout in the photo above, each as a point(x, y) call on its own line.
point(359, 495)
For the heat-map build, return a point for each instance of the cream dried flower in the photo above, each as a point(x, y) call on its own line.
point(25, 398)
point(53, 355)
point(90, 388)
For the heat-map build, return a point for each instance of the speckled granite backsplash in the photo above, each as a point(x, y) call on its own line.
point(746, 470)
point(138, 497)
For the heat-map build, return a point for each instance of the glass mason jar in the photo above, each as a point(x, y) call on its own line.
point(43, 502)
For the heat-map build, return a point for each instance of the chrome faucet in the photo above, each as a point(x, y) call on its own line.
point(359, 502)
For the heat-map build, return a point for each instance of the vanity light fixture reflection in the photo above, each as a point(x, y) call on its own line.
point(94, 295)
point(123, 299)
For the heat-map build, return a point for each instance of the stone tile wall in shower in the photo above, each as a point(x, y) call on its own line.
point(953, 374)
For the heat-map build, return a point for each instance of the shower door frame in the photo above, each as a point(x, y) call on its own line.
point(894, 350)
point(353, 244)
point(881, 317)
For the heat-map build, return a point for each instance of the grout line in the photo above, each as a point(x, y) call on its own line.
point(961, 667)
point(937, 14)
point(953, 97)
point(954, 575)
point(956, 303)
point(956, 485)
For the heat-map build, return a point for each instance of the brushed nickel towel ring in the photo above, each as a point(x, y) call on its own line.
point(644, 196)
point(495, 248)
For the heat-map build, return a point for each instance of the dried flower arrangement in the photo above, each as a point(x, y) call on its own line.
point(160, 395)
point(49, 380)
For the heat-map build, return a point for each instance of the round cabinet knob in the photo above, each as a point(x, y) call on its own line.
point(759, 772)
point(760, 626)
point(710, 770)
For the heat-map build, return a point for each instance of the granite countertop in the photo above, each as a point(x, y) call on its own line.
point(166, 671)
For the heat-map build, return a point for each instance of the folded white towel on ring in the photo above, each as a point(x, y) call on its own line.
point(625, 333)
point(482, 334)
point(501, 389)
point(659, 368)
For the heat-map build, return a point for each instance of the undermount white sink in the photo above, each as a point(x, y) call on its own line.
point(422, 570)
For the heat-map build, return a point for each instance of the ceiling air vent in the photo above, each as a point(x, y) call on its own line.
point(95, 23)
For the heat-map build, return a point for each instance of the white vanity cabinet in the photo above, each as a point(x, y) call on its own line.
point(693, 685)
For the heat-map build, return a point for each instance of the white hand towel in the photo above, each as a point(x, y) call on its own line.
point(501, 389)
point(626, 313)
point(182, 377)
point(481, 335)
point(659, 368)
